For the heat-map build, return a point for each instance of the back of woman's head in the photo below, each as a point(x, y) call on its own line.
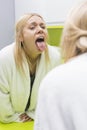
point(74, 37)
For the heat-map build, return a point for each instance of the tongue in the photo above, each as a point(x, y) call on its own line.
point(41, 46)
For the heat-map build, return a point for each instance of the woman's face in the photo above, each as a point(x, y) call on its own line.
point(34, 36)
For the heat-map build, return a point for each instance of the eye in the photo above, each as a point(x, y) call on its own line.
point(32, 27)
point(43, 26)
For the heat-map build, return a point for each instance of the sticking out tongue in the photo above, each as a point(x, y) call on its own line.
point(41, 45)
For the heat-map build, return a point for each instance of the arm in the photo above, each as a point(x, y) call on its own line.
point(7, 114)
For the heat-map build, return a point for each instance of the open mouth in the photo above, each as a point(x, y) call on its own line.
point(40, 43)
point(40, 39)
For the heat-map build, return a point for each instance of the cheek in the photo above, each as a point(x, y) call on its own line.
point(28, 38)
point(46, 34)
point(27, 34)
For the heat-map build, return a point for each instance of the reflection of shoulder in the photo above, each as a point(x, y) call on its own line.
point(54, 50)
point(7, 52)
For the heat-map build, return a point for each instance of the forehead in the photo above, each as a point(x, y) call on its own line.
point(35, 19)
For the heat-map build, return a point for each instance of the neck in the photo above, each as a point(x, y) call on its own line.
point(32, 62)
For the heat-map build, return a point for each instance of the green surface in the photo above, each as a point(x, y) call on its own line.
point(54, 35)
point(17, 126)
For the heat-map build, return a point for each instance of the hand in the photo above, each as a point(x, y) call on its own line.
point(24, 117)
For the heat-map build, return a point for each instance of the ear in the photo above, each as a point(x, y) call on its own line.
point(20, 38)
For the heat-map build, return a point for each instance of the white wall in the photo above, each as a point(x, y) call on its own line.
point(53, 11)
point(7, 19)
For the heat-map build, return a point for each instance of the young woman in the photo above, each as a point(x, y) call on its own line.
point(23, 65)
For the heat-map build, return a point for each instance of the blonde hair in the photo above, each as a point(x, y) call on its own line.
point(74, 37)
point(19, 53)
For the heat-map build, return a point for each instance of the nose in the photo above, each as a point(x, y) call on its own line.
point(39, 29)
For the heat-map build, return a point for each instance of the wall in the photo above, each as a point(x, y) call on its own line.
point(53, 11)
point(7, 19)
point(55, 33)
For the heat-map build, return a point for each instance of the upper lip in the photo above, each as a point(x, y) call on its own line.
point(39, 38)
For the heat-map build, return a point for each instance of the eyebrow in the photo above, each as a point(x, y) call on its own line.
point(34, 23)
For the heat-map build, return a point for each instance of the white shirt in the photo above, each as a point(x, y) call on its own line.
point(62, 101)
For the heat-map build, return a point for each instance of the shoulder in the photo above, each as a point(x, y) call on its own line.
point(67, 74)
point(53, 50)
point(66, 79)
point(52, 78)
point(54, 53)
point(57, 77)
point(6, 54)
point(7, 51)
